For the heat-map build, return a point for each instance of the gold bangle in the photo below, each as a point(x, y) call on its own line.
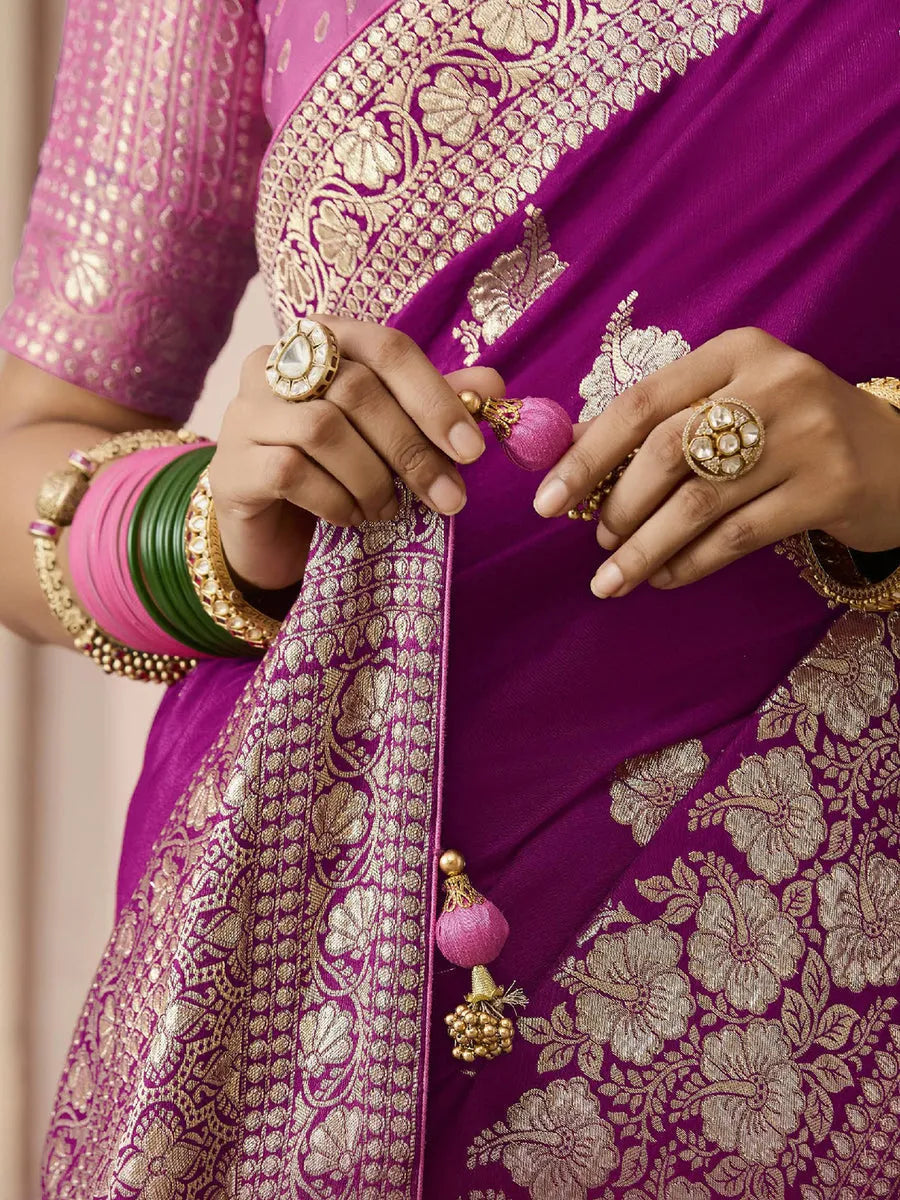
point(216, 591)
point(58, 499)
point(828, 565)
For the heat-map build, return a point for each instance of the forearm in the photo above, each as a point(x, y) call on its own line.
point(42, 419)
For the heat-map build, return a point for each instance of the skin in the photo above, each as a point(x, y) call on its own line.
point(829, 461)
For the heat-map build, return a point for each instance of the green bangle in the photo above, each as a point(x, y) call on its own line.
point(181, 487)
point(136, 568)
point(154, 514)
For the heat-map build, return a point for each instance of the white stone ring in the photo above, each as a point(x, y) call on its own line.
point(723, 439)
point(303, 362)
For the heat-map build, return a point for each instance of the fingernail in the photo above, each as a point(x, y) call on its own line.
point(446, 495)
point(607, 538)
point(662, 578)
point(608, 580)
point(467, 441)
point(551, 497)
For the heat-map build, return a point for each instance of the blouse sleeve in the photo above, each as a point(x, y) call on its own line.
point(139, 238)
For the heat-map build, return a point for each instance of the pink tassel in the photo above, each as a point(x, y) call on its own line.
point(535, 431)
point(470, 937)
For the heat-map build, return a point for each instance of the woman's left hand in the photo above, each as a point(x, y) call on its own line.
point(831, 461)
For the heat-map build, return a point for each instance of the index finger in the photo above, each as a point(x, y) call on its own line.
point(611, 436)
point(415, 382)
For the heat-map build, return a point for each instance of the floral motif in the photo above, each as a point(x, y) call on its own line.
point(325, 1038)
point(338, 819)
point(626, 355)
point(647, 787)
point(850, 677)
point(753, 1099)
point(162, 1158)
point(334, 1146)
point(513, 25)
point(366, 702)
point(554, 1142)
point(514, 281)
point(340, 238)
point(773, 813)
point(630, 992)
point(365, 154)
point(861, 911)
point(88, 281)
point(453, 106)
point(350, 924)
point(743, 946)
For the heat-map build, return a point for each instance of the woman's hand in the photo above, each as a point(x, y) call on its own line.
point(387, 412)
point(831, 461)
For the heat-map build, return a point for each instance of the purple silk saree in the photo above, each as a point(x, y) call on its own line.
point(686, 803)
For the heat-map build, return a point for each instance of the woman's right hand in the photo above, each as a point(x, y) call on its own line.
point(387, 412)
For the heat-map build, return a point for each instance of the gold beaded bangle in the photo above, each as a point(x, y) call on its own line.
point(216, 591)
point(828, 565)
point(59, 497)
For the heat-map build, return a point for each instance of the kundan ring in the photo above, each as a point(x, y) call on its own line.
point(723, 439)
point(303, 362)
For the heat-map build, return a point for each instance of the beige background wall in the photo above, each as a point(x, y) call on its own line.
point(71, 740)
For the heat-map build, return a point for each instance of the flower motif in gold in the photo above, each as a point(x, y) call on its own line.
point(753, 1098)
point(850, 677)
point(365, 153)
point(161, 1160)
point(743, 946)
point(647, 787)
point(334, 1146)
point(554, 1142)
point(861, 911)
point(513, 25)
point(340, 239)
point(453, 106)
point(626, 356)
point(631, 993)
point(774, 815)
point(365, 705)
point(325, 1038)
point(350, 923)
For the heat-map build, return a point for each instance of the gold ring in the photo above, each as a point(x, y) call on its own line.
point(303, 362)
point(723, 439)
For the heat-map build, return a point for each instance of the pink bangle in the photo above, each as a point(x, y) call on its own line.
point(98, 560)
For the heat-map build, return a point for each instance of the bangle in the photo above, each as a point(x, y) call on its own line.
point(57, 502)
point(830, 567)
point(209, 574)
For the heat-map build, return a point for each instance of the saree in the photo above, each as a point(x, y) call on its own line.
point(685, 802)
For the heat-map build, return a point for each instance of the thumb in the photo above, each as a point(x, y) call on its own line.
point(483, 380)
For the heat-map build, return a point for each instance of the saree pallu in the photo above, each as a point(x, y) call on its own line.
point(686, 802)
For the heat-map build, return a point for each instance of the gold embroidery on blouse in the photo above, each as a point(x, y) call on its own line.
point(438, 121)
point(508, 288)
point(129, 171)
point(626, 355)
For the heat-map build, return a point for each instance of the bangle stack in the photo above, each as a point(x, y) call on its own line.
point(832, 568)
point(146, 564)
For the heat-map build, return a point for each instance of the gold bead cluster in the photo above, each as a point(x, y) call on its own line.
point(478, 1033)
point(116, 659)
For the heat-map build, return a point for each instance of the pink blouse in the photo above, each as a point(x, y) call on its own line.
point(139, 239)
